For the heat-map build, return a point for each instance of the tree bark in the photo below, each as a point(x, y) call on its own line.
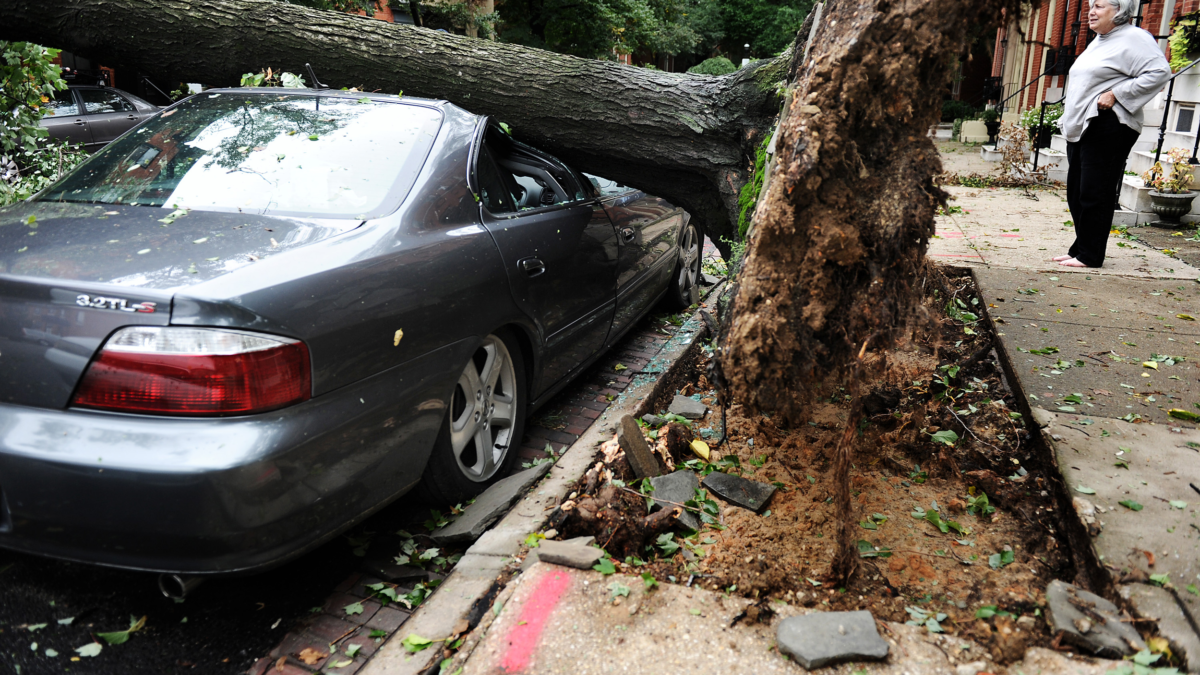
point(686, 138)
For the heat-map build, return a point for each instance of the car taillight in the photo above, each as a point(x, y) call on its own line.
point(170, 370)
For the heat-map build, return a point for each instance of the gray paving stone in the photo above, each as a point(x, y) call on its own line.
point(531, 557)
point(825, 638)
point(687, 407)
point(578, 556)
point(391, 572)
point(1089, 622)
point(748, 494)
point(641, 458)
point(488, 507)
point(677, 487)
point(652, 420)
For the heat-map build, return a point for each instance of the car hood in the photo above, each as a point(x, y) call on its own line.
point(143, 246)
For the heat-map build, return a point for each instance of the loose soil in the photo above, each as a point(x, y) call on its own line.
point(909, 563)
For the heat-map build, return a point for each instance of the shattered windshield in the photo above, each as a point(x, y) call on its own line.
point(283, 154)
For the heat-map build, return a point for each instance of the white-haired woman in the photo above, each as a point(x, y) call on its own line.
point(1110, 83)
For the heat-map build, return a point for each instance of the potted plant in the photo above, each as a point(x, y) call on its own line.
point(1170, 197)
point(991, 120)
point(1040, 127)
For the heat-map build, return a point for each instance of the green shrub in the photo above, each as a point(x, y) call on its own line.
point(39, 167)
point(718, 65)
point(952, 110)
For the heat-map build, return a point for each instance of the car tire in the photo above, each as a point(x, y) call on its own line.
point(685, 282)
point(487, 408)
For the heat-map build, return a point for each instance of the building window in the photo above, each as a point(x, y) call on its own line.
point(1184, 116)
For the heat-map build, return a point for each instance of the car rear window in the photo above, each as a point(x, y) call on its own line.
point(283, 154)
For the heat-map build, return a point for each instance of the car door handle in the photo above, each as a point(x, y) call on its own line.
point(131, 117)
point(80, 122)
point(532, 266)
point(628, 235)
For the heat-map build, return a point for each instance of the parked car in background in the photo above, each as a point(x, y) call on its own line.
point(93, 115)
point(263, 314)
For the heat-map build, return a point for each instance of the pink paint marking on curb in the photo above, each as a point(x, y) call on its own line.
point(523, 638)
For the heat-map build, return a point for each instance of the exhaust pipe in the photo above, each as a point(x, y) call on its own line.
point(178, 586)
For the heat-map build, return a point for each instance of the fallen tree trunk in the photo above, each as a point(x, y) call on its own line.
point(687, 138)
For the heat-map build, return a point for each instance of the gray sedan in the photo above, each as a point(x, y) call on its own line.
point(93, 115)
point(263, 314)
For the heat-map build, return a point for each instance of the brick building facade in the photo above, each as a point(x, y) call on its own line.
point(1034, 50)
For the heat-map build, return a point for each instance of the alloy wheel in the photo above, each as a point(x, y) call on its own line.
point(689, 266)
point(483, 410)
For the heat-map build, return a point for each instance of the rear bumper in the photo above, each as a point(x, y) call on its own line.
point(217, 495)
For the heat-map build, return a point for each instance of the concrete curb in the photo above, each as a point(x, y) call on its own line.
point(472, 586)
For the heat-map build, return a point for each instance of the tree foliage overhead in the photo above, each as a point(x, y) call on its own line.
point(601, 28)
point(766, 25)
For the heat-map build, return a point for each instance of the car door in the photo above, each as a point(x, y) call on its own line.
point(558, 246)
point(646, 227)
point(63, 118)
point(108, 114)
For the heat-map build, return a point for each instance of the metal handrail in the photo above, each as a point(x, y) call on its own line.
point(1162, 127)
point(1037, 151)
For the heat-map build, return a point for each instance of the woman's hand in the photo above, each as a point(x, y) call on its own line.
point(1107, 100)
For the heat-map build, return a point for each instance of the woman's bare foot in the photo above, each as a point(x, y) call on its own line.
point(1071, 262)
point(1060, 258)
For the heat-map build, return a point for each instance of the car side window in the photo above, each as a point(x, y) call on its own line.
point(607, 187)
point(97, 101)
point(492, 191)
point(534, 179)
point(63, 104)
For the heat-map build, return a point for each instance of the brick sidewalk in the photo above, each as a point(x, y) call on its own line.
point(558, 424)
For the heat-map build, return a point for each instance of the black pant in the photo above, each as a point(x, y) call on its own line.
point(1095, 165)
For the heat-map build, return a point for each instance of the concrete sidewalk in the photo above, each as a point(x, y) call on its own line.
point(1103, 356)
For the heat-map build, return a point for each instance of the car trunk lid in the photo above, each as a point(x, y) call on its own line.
point(71, 274)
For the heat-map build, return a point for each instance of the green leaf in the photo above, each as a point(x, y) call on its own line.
point(1084, 490)
point(649, 580)
point(605, 566)
point(618, 589)
point(120, 637)
point(376, 633)
point(353, 608)
point(90, 649)
point(1191, 588)
point(415, 643)
point(868, 525)
point(352, 650)
point(946, 436)
point(313, 137)
point(1185, 415)
point(1131, 505)
point(1160, 579)
point(35, 627)
point(1145, 658)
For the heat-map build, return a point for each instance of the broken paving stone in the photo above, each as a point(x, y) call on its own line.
point(653, 420)
point(488, 507)
point(532, 556)
point(1089, 622)
point(826, 638)
point(1042, 417)
point(676, 488)
point(641, 458)
point(687, 407)
point(389, 571)
point(748, 494)
point(579, 556)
